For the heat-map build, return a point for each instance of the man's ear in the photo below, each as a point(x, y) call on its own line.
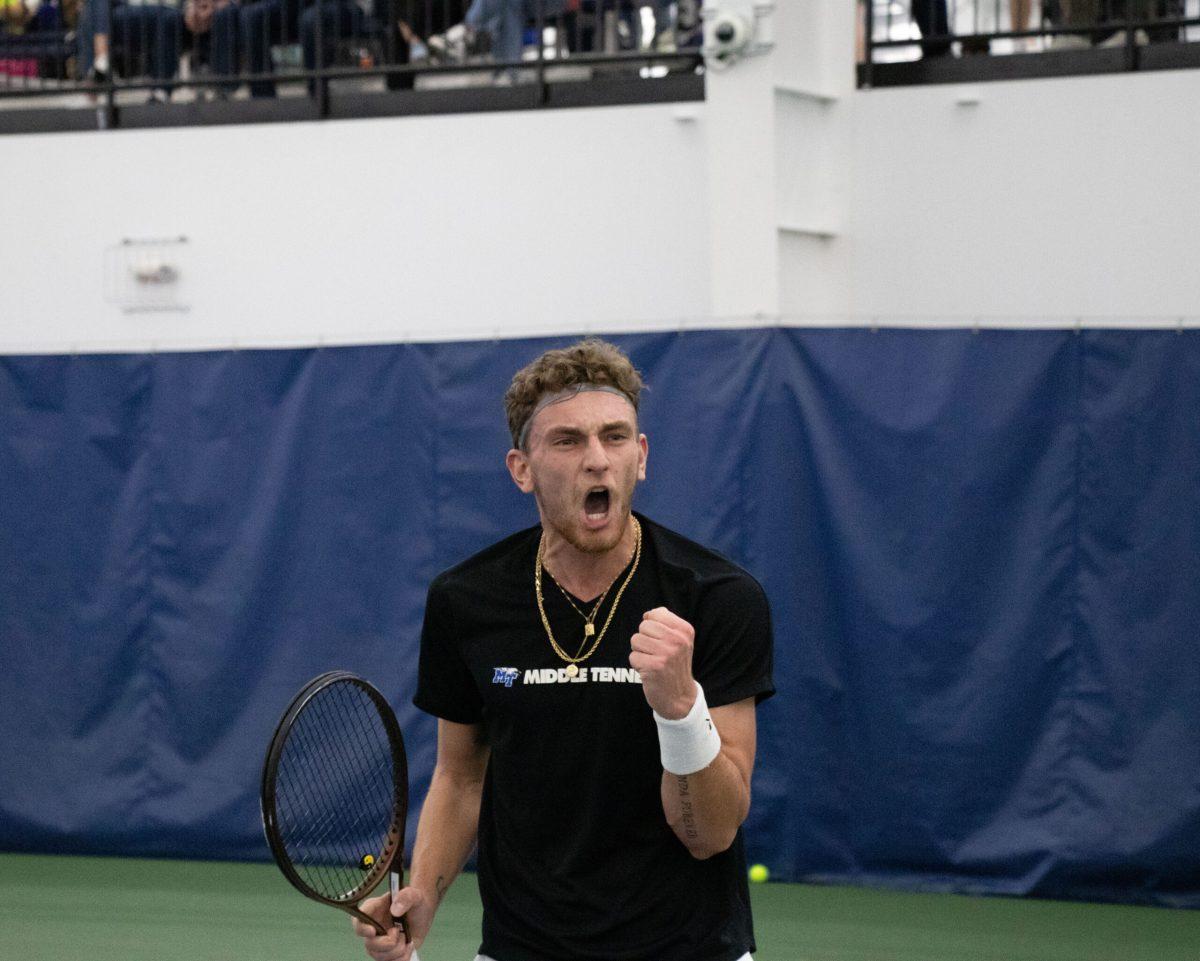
point(643, 454)
point(518, 467)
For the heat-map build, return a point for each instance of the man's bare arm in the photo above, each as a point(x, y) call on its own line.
point(449, 824)
point(706, 809)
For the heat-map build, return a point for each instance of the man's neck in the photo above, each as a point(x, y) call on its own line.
point(582, 573)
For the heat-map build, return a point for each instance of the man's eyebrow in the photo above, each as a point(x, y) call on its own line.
point(566, 430)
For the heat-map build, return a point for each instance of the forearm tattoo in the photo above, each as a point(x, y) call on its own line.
point(685, 807)
point(441, 886)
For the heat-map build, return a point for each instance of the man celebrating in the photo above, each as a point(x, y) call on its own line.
point(595, 680)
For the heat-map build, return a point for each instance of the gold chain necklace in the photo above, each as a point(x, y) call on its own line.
point(589, 619)
point(574, 662)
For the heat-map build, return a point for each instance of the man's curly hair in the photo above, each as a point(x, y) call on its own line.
point(591, 361)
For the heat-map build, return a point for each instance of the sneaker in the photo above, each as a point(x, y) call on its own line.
point(435, 43)
point(451, 46)
point(1120, 38)
point(664, 42)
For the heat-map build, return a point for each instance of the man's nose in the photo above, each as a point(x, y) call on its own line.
point(595, 457)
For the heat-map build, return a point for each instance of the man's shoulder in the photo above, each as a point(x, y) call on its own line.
point(728, 609)
point(703, 564)
point(485, 566)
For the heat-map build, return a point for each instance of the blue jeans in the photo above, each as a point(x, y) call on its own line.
point(146, 36)
point(339, 19)
point(505, 21)
point(224, 42)
point(263, 23)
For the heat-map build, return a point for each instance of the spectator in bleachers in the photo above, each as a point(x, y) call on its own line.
point(934, 23)
point(50, 36)
point(931, 18)
point(213, 25)
point(15, 15)
point(262, 24)
point(1103, 16)
point(631, 33)
point(1166, 10)
point(499, 26)
point(504, 22)
point(32, 37)
point(417, 21)
point(1018, 14)
point(147, 36)
point(339, 20)
point(243, 34)
point(1143, 11)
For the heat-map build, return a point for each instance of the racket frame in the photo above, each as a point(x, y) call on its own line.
point(393, 849)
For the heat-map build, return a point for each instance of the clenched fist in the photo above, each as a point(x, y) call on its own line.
point(662, 655)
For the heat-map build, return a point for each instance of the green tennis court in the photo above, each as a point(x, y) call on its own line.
point(111, 909)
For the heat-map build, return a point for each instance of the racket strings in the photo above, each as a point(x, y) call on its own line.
point(370, 767)
point(338, 835)
point(329, 835)
point(335, 791)
point(309, 827)
point(367, 768)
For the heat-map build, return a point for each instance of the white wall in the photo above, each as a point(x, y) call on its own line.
point(407, 228)
point(1050, 199)
point(1016, 203)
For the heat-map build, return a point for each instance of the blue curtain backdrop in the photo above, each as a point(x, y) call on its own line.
point(982, 552)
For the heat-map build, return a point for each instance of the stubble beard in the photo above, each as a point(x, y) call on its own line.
point(588, 545)
point(592, 545)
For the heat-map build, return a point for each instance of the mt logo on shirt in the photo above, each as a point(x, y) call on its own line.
point(558, 675)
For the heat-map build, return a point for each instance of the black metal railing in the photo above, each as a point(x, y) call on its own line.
point(111, 54)
point(938, 33)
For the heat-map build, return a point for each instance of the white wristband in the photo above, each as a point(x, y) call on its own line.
point(689, 744)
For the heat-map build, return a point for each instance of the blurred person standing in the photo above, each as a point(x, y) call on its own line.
point(147, 35)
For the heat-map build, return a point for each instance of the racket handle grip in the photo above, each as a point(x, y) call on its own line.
point(394, 881)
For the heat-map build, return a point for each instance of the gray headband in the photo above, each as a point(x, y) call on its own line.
point(561, 396)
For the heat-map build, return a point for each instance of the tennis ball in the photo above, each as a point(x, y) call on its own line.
point(759, 873)
point(366, 861)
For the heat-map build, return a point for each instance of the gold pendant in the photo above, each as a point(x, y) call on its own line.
point(573, 669)
point(589, 629)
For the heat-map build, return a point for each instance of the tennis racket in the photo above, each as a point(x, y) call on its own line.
point(335, 793)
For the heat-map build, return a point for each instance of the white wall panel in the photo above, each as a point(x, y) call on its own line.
point(1045, 201)
point(445, 227)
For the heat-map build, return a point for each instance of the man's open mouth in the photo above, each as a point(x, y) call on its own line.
point(595, 504)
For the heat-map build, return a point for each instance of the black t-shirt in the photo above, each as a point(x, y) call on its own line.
point(576, 861)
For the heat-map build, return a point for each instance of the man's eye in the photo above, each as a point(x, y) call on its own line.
point(618, 436)
point(564, 442)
